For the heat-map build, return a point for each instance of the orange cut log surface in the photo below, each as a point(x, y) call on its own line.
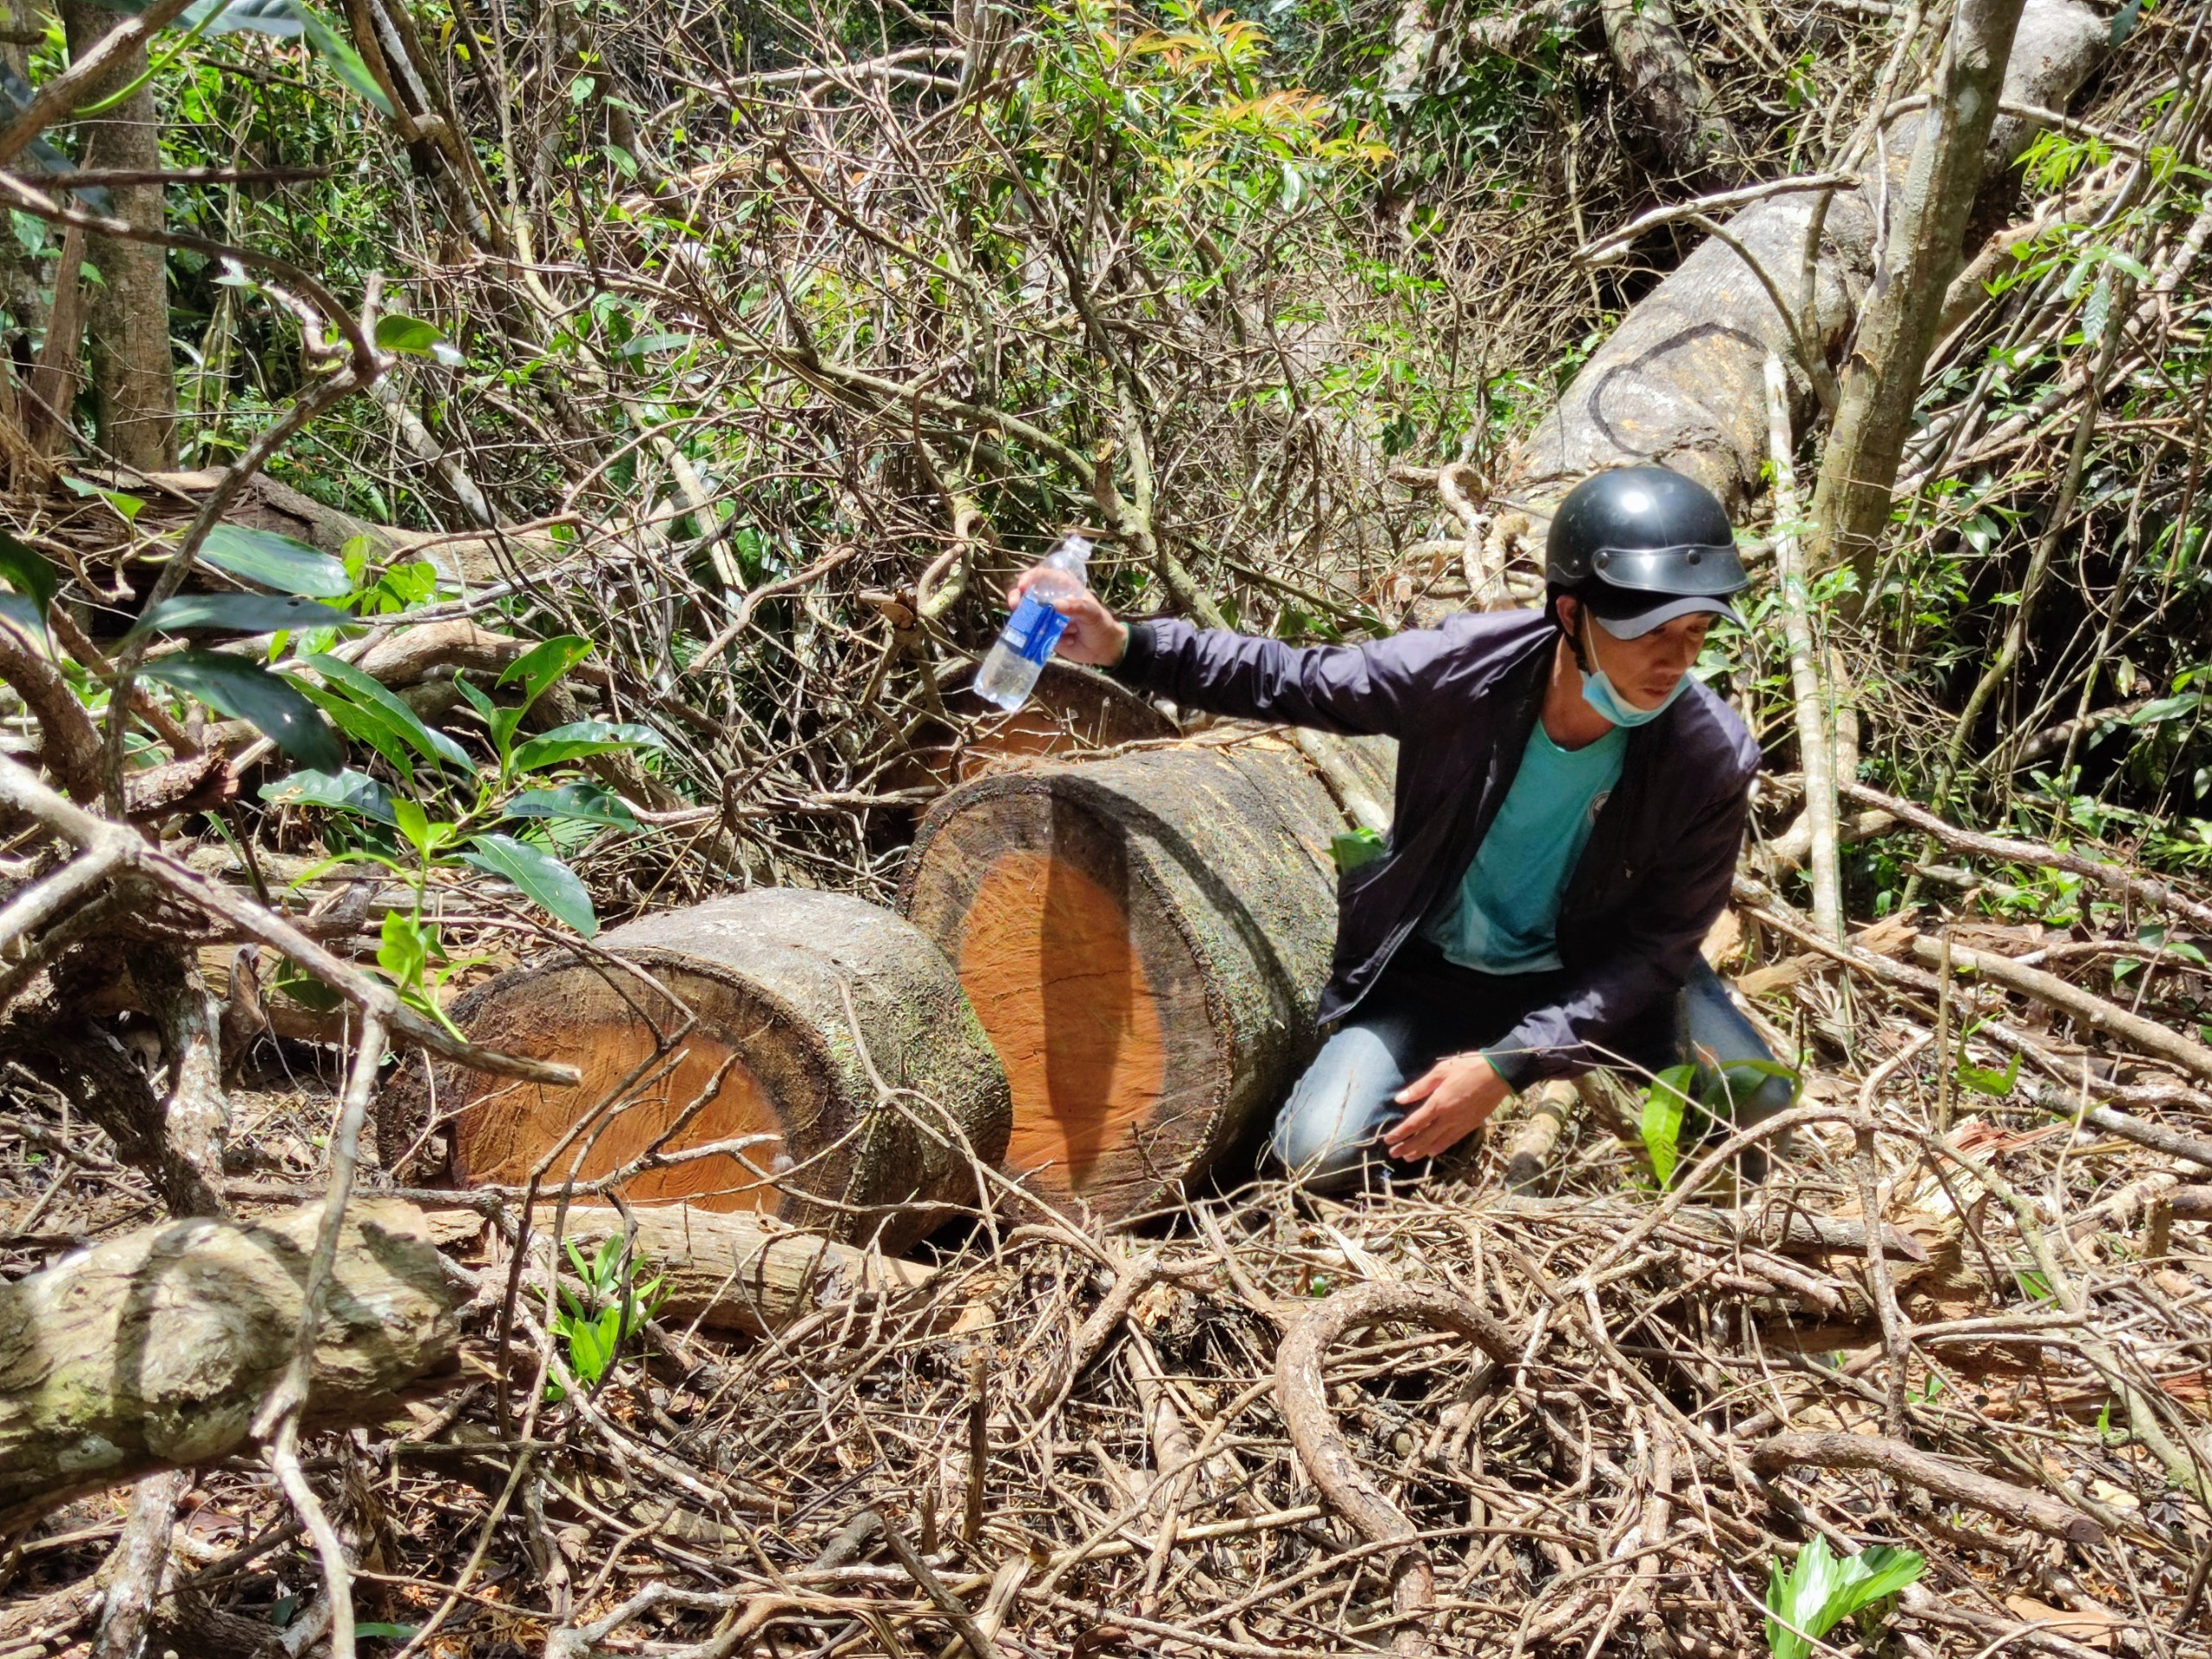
point(1145, 939)
point(821, 1045)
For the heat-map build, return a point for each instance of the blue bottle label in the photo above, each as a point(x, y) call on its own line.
point(1033, 629)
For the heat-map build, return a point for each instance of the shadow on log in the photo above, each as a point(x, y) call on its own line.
point(833, 1056)
point(155, 1348)
point(1145, 938)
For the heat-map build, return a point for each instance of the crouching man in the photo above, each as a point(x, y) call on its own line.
point(1570, 804)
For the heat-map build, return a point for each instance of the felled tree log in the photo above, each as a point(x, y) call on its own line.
point(1072, 709)
point(802, 1001)
point(154, 1349)
point(1145, 939)
point(736, 1272)
point(1681, 380)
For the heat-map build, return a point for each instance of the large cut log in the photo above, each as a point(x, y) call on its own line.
point(155, 1350)
point(830, 1035)
point(1145, 938)
point(1071, 711)
point(1681, 380)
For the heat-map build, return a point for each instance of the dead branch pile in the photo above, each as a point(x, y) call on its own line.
point(1449, 1418)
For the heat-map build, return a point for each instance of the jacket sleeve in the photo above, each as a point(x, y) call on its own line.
point(1362, 690)
point(1598, 1008)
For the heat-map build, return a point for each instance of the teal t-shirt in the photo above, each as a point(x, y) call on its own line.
point(1505, 917)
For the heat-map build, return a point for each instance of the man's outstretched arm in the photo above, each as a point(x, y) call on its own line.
point(1355, 689)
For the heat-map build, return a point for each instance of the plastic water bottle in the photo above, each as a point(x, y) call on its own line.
point(1010, 672)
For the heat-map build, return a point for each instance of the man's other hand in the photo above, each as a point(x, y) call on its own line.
point(1456, 1096)
point(1094, 634)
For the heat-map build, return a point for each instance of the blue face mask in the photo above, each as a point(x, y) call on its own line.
point(1597, 691)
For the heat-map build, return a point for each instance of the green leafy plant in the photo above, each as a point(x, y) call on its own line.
point(1807, 1600)
point(1668, 1104)
point(592, 1327)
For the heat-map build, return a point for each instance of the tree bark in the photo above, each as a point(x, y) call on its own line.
point(834, 1031)
point(153, 1350)
point(1880, 380)
point(1145, 939)
point(736, 1272)
point(1661, 79)
point(134, 370)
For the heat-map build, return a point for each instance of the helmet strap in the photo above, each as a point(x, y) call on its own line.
point(1573, 636)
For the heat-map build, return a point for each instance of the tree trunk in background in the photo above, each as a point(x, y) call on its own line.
point(134, 372)
point(1659, 76)
point(1880, 382)
point(1682, 381)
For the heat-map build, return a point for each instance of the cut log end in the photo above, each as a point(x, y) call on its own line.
point(1145, 940)
point(701, 1090)
point(831, 1035)
point(1052, 962)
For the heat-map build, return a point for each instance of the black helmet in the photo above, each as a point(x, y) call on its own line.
point(1641, 546)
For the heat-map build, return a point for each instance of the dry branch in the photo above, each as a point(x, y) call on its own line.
point(1938, 1475)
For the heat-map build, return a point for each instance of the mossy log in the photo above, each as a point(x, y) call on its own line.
point(154, 1349)
point(828, 1045)
point(1146, 939)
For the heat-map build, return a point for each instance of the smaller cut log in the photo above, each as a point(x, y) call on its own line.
point(154, 1349)
point(1146, 939)
point(1072, 711)
point(735, 1271)
point(830, 1035)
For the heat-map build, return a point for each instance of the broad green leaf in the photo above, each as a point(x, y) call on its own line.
point(245, 692)
point(341, 792)
point(30, 573)
point(237, 614)
point(44, 159)
point(263, 557)
point(1661, 1125)
point(283, 20)
point(1884, 1571)
point(24, 613)
point(403, 949)
point(360, 689)
point(389, 1632)
point(582, 738)
point(127, 506)
point(542, 878)
point(368, 726)
point(544, 663)
point(586, 802)
point(396, 332)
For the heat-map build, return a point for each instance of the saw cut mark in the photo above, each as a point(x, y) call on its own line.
point(1048, 959)
point(508, 1128)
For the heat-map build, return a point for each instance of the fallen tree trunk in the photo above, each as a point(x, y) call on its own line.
point(1681, 380)
point(736, 1272)
point(154, 1349)
point(1145, 939)
point(832, 1059)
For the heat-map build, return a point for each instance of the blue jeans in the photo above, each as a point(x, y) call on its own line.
point(1329, 1132)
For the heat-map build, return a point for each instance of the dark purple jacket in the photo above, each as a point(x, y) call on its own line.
point(1461, 700)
